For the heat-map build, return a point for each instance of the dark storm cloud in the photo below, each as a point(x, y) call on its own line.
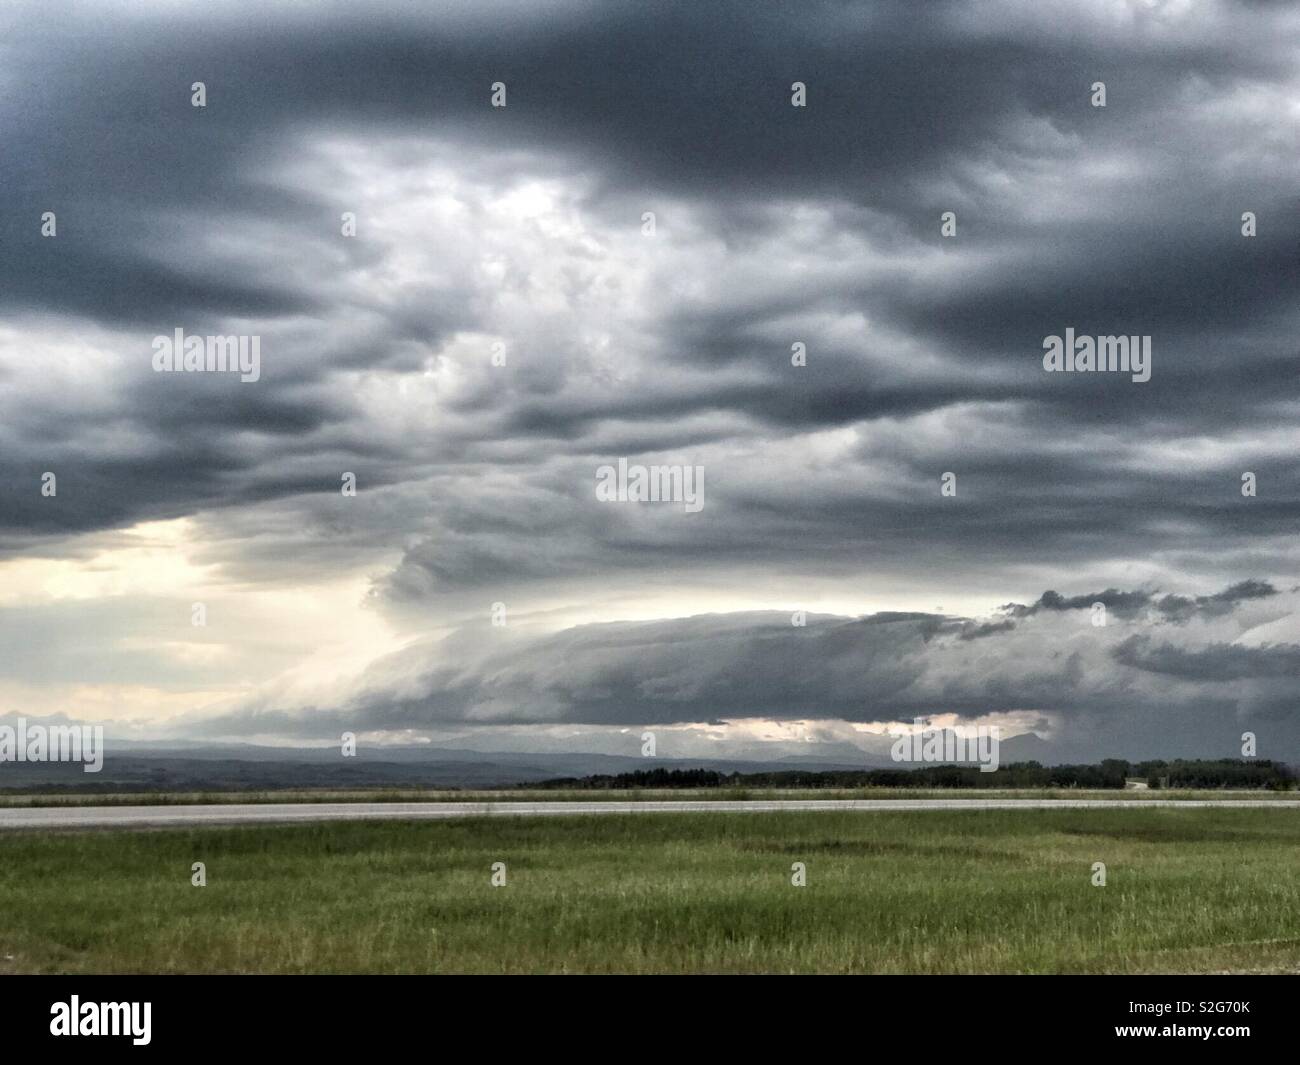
point(689, 99)
point(1180, 608)
point(775, 224)
point(1130, 604)
point(1217, 662)
point(989, 628)
point(1134, 689)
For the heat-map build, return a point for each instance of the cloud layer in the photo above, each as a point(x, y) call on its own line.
point(518, 232)
point(1150, 673)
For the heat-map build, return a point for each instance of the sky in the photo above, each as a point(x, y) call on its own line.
point(490, 248)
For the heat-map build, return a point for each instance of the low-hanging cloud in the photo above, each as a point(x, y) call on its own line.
point(1137, 680)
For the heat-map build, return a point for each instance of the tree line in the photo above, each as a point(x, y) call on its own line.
point(1109, 773)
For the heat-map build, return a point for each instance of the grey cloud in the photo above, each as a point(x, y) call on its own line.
point(615, 93)
point(1130, 604)
point(1216, 662)
point(989, 628)
point(1113, 682)
point(775, 224)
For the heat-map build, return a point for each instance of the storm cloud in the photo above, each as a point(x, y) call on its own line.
point(503, 323)
point(1140, 683)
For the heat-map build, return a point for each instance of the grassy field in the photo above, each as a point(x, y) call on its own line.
point(971, 892)
point(182, 798)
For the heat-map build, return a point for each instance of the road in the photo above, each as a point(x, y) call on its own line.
point(285, 813)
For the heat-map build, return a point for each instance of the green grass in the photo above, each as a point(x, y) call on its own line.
point(971, 891)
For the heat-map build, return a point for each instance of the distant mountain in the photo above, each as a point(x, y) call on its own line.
point(178, 766)
point(254, 768)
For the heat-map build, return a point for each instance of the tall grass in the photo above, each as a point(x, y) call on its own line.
point(970, 891)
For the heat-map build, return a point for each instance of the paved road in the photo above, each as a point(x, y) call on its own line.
point(281, 813)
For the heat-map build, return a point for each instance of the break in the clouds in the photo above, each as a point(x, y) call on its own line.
point(619, 264)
